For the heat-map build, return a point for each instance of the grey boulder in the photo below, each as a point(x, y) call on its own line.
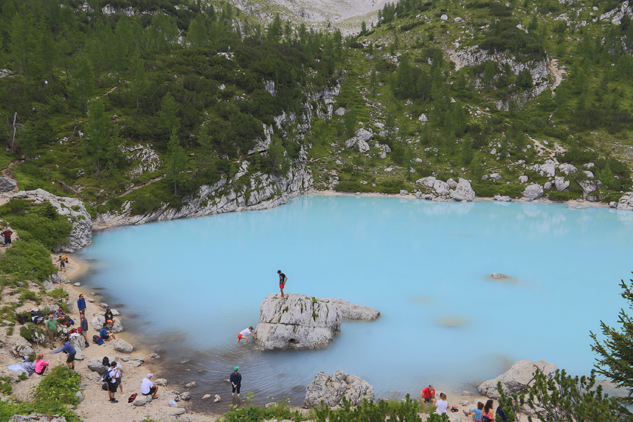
point(36, 417)
point(95, 366)
point(354, 312)
point(23, 348)
point(589, 186)
point(122, 346)
point(297, 322)
point(7, 185)
point(186, 396)
point(560, 183)
point(161, 381)
point(516, 379)
point(174, 411)
point(533, 192)
point(463, 191)
point(332, 389)
point(142, 400)
point(567, 168)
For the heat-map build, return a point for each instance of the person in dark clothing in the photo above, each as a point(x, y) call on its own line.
point(500, 412)
point(81, 304)
point(7, 235)
point(282, 282)
point(69, 350)
point(236, 381)
point(83, 323)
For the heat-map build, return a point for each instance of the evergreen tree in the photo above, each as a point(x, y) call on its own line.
point(490, 71)
point(197, 32)
point(138, 77)
point(404, 87)
point(23, 40)
point(177, 161)
point(97, 133)
point(84, 82)
point(615, 352)
point(46, 52)
point(363, 28)
point(168, 114)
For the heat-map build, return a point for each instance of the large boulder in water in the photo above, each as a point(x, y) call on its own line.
point(297, 322)
point(353, 311)
point(332, 389)
point(517, 378)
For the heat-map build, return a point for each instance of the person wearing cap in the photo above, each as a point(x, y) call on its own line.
point(236, 381)
point(148, 387)
point(282, 282)
point(428, 395)
point(245, 333)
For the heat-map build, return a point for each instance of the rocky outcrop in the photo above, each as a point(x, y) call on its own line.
point(122, 346)
point(560, 183)
point(37, 417)
point(332, 389)
point(71, 208)
point(297, 322)
point(22, 348)
point(533, 192)
point(626, 202)
point(517, 378)
point(360, 140)
point(457, 191)
point(305, 322)
point(7, 185)
point(354, 312)
point(260, 192)
point(589, 186)
point(567, 168)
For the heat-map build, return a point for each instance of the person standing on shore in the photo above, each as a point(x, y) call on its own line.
point(428, 395)
point(51, 328)
point(83, 324)
point(245, 333)
point(282, 282)
point(62, 264)
point(7, 236)
point(81, 304)
point(236, 381)
point(114, 377)
point(69, 350)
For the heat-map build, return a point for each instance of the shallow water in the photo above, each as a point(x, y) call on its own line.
point(195, 283)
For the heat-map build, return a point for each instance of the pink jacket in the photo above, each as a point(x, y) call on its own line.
point(39, 365)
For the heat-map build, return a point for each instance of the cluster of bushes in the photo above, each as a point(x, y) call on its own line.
point(489, 190)
point(387, 186)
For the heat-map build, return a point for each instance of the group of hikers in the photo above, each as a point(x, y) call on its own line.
point(481, 413)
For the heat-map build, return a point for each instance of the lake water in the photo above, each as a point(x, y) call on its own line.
point(191, 285)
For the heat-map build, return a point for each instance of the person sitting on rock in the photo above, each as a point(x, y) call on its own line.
point(477, 412)
point(245, 333)
point(41, 365)
point(427, 395)
point(442, 404)
point(106, 335)
point(148, 387)
point(109, 316)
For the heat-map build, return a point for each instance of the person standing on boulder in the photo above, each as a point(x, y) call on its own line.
point(236, 381)
point(7, 236)
point(245, 333)
point(282, 282)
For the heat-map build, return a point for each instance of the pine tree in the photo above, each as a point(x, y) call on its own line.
point(615, 352)
point(197, 32)
point(23, 40)
point(168, 114)
point(83, 80)
point(97, 133)
point(138, 76)
point(177, 162)
point(490, 70)
point(404, 87)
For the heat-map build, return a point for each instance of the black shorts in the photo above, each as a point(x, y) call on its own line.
point(71, 357)
point(112, 386)
point(236, 388)
point(152, 391)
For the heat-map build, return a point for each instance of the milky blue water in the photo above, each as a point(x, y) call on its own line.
point(193, 284)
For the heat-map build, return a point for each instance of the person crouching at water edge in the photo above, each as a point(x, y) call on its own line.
point(245, 333)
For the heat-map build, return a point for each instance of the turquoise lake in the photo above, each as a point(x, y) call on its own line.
point(191, 285)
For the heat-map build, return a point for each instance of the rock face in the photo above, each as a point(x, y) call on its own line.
point(626, 202)
point(71, 208)
point(297, 322)
point(517, 378)
point(352, 311)
point(533, 192)
point(332, 389)
point(7, 185)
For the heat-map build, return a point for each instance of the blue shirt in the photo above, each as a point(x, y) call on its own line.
point(103, 333)
point(477, 413)
point(81, 304)
point(236, 378)
point(66, 348)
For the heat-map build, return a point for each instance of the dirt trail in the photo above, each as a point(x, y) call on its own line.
point(9, 174)
point(558, 73)
point(127, 192)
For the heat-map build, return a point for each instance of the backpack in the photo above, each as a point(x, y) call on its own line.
point(132, 397)
point(97, 340)
point(105, 362)
point(70, 322)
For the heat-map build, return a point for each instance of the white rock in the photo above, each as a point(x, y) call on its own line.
point(548, 185)
point(589, 186)
point(523, 179)
point(423, 118)
point(444, 17)
point(589, 174)
point(495, 177)
point(533, 192)
point(549, 168)
point(567, 168)
point(122, 346)
point(517, 378)
point(142, 400)
point(340, 112)
point(463, 191)
point(441, 187)
point(502, 198)
point(451, 183)
point(560, 183)
point(332, 389)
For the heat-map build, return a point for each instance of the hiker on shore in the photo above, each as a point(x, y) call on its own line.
point(427, 395)
point(112, 377)
point(488, 414)
point(109, 316)
point(245, 333)
point(69, 350)
point(106, 335)
point(442, 404)
point(236, 381)
point(7, 236)
point(51, 328)
point(41, 365)
point(148, 387)
point(81, 304)
point(65, 258)
point(62, 264)
point(83, 324)
point(282, 282)
point(476, 411)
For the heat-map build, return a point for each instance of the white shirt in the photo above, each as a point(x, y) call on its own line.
point(146, 385)
point(442, 405)
point(114, 374)
point(245, 332)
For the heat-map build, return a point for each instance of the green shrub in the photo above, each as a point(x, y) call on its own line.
point(58, 293)
point(488, 190)
point(28, 330)
point(562, 196)
point(5, 386)
point(38, 222)
point(352, 187)
point(392, 186)
point(29, 295)
point(27, 260)
point(56, 391)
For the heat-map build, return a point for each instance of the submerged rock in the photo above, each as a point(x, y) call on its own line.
point(499, 276)
point(331, 390)
point(517, 378)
